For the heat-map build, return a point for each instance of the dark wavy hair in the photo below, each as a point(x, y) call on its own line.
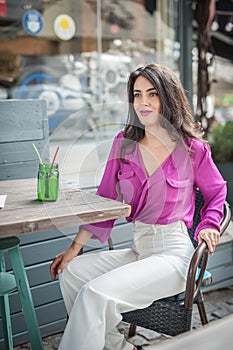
point(175, 109)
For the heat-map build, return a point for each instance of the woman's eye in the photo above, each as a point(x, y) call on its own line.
point(136, 95)
point(154, 94)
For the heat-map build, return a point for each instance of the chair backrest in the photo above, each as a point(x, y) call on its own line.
point(199, 201)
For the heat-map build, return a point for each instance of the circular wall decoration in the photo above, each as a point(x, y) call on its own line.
point(64, 27)
point(111, 77)
point(32, 22)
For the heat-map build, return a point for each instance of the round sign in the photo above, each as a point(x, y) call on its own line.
point(32, 22)
point(64, 27)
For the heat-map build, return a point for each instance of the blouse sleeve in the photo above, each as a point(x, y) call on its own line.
point(213, 188)
point(108, 188)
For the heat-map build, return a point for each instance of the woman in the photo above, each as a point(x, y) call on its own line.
point(156, 164)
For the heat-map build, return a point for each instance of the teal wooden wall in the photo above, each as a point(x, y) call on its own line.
point(221, 266)
point(22, 122)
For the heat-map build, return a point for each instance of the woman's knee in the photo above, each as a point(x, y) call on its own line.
point(68, 279)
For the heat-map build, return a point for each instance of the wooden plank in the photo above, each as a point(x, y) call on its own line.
point(42, 294)
point(43, 251)
point(47, 329)
point(22, 151)
point(219, 285)
point(222, 256)
point(47, 235)
point(220, 265)
point(25, 198)
point(24, 169)
point(222, 273)
point(45, 314)
point(22, 120)
point(58, 218)
point(54, 327)
point(124, 231)
point(39, 274)
point(122, 234)
point(23, 213)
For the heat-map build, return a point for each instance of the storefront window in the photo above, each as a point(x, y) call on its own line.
point(77, 54)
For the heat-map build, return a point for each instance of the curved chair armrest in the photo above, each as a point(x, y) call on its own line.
point(193, 285)
point(201, 252)
point(226, 219)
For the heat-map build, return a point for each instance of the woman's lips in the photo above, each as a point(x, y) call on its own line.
point(145, 112)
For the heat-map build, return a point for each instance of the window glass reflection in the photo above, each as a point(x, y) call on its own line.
point(77, 54)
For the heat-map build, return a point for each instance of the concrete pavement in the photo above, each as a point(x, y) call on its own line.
point(219, 304)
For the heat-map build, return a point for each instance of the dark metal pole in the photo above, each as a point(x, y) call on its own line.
point(185, 36)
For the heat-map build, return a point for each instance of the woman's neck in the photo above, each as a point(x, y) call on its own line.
point(155, 135)
point(155, 148)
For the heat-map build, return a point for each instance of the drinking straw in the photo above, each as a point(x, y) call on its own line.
point(38, 154)
point(54, 157)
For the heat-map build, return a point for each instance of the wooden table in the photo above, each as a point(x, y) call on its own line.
point(23, 213)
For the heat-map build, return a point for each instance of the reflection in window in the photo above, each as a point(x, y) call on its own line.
point(80, 63)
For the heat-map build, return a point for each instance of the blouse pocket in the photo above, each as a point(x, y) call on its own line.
point(126, 179)
point(179, 193)
point(125, 174)
point(179, 183)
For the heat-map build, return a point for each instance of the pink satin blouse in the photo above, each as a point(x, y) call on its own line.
point(167, 195)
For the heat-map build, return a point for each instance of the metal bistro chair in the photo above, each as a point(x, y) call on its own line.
point(173, 315)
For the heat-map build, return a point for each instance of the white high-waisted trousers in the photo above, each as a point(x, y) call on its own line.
point(98, 287)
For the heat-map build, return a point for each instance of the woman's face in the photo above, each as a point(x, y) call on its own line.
point(146, 102)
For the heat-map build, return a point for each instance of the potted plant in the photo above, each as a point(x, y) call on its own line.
point(220, 139)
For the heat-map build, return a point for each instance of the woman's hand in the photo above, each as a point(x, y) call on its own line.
point(62, 259)
point(211, 237)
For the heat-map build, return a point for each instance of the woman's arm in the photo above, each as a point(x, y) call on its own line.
point(100, 230)
point(108, 188)
point(213, 188)
point(64, 257)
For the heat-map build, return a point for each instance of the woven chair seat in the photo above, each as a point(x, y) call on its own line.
point(167, 316)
